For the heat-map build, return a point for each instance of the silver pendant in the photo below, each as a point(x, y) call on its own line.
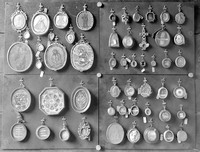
point(180, 61)
point(113, 17)
point(168, 135)
point(164, 16)
point(180, 92)
point(133, 134)
point(114, 90)
point(84, 130)
point(181, 114)
point(134, 62)
point(124, 62)
point(166, 62)
point(147, 110)
point(39, 45)
point(150, 15)
point(122, 109)
point(128, 41)
point(180, 17)
point(111, 110)
point(70, 35)
point(85, 19)
point(64, 133)
point(27, 34)
point(129, 90)
point(164, 114)
point(125, 16)
point(43, 132)
point(145, 89)
point(181, 135)
point(112, 61)
point(162, 91)
point(134, 110)
point(179, 39)
point(144, 45)
point(136, 16)
point(153, 63)
point(114, 39)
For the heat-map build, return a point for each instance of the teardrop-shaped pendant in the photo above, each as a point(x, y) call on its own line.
point(27, 34)
point(38, 64)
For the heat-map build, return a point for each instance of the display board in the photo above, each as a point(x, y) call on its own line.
point(91, 50)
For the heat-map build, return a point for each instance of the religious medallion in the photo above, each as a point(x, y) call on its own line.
point(70, 35)
point(111, 110)
point(164, 16)
point(43, 132)
point(145, 89)
point(128, 41)
point(179, 39)
point(181, 135)
point(164, 114)
point(180, 92)
point(144, 44)
point(129, 90)
point(113, 39)
point(150, 15)
point(168, 135)
point(180, 61)
point(133, 134)
point(162, 37)
point(114, 90)
point(136, 16)
point(122, 109)
point(125, 16)
point(64, 133)
point(180, 17)
point(134, 110)
point(181, 114)
point(166, 62)
point(84, 130)
point(112, 61)
point(134, 62)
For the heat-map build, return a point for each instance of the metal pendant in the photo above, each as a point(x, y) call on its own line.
point(162, 37)
point(145, 89)
point(124, 62)
point(51, 100)
point(133, 134)
point(125, 16)
point(144, 45)
point(19, 56)
point(129, 90)
point(168, 135)
point(143, 63)
point(180, 92)
point(82, 55)
point(181, 135)
point(21, 98)
point(111, 110)
point(84, 130)
point(61, 18)
point(164, 114)
point(55, 56)
point(43, 132)
point(113, 17)
point(122, 109)
point(114, 39)
point(84, 19)
point(164, 16)
point(27, 34)
point(134, 110)
point(64, 133)
point(19, 19)
point(166, 62)
point(150, 15)
point(70, 35)
point(151, 134)
point(81, 99)
point(153, 63)
point(19, 130)
point(180, 17)
point(134, 62)
point(128, 41)
point(39, 63)
point(180, 61)
point(147, 110)
point(179, 39)
point(162, 91)
point(39, 45)
point(112, 61)
point(115, 133)
point(136, 16)
point(40, 22)
point(114, 90)
point(181, 114)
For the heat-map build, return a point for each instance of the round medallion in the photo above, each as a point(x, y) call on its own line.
point(128, 42)
point(165, 17)
point(122, 110)
point(180, 61)
point(55, 56)
point(179, 39)
point(112, 62)
point(51, 101)
point(43, 132)
point(21, 99)
point(129, 91)
point(181, 114)
point(70, 35)
point(81, 99)
point(115, 91)
point(111, 111)
point(115, 133)
point(166, 63)
point(151, 135)
point(18, 132)
point(180, 92)
point(64, 134)
point(162, 38)
point(61, 18)
point(84, 19)
point(123, 62)
point(82, 56)
point(168, 136)
point(162, 93)
point(165, 115)
point(19, 57)
point(133, 135)
point(180, 18)
point(147, 111)
point(137, 17)
point(134, 110)
point(181, 136)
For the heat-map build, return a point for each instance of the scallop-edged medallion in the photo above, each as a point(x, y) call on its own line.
point(81, 99)
point(43, 132)
point(180, 17)
point(180, 92)
point(84, 130)
point(40, 22)
point(114, 90)
point(162, 37)
point(84, 19)
point(21, 98)
point(128, 41)
point(82, 55)
point(129, 90)
point(115, 133)
point(20, 56)
point(145, 89)
point(168, 135)
point(55, 56)
point(164, 114)
point(162, 91)
point(64, 133)
point(61, 18)
point(51, 100)
point(19, 19)
point(18, 130)
point(133, 134)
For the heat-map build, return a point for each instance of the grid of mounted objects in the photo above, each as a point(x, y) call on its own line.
point(122, 70)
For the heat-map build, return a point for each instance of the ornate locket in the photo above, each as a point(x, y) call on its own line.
point(145, 89)
point(114, 90)
point(112, 61)
point(133, 134)
point(162, 91)
point(113, 39)
point(179, 39)
point(128, 41)
point(84, 130)
point(164, 16)
point(70, 35)
point(162, 37)
point(180, 92)
point(136, 16)
point(129, 90)
point(180, 61)
point(43, 132)
point(168, 135)
point(166, 62)
point(180, 17)
point(164, 114)
point(111, 110)
point(150, 15)
point(64, 133)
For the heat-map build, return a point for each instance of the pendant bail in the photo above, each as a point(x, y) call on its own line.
point(134, 124)
point(64, 122)
point(43, 121)
point(114, 80)
point(51, 81)
point(179, 52)
point(147, 104)
point(22, 83)
point(151, 122)
point(163, 82)
point(181, 107)
point(179, 82)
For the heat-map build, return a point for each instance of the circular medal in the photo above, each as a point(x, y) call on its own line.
point(180, 18)
point(180, 61)
point(181, 136)
point(122, 110)
point(111, 111)
point(168, 135)
point(133, 135)
point(181, 114)
point(64, 134)
point(84, 19)
point(128, 42)
point(162, 93)
point(147, 111)
point(18, 131)
point(61, 18)
point(115, 91)
point(179, 39)
point(180, 92)
point(151, 135)
point(134, 110)
point(162, 38)
point(19, 57)
point(115, 133)
point(43, 132)
point(166, 63)
point(165, 115)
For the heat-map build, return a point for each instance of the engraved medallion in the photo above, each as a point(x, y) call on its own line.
point(114, 90)
point(112, 61)
point(122, 109)
point(166, 62)
point(179, 39)
point(51, 100)
point(164, 16)
point(43, 132)
point(124, 62)
point(19, 56)
point(145, 89)
point(84, 130)
point(40, 21)
point(162, 91)
point(21, 98)
point(55, 56)
point(82, 55)
point(129, 90)
point(128, 41)
point(133, 134)
point(150, 15)
point(180, 92)
point(113, 39)
point(70, 35)
point(136, 16)
point(81, 99)
point(180, 61)
point(84, 19)
point(168, 135)
point(164, 114)
point(162, 37)
point(111, 110)
point(181, 114)
point(61, 18)
point(180, 17)
point(19, 19)
point(64, 133)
